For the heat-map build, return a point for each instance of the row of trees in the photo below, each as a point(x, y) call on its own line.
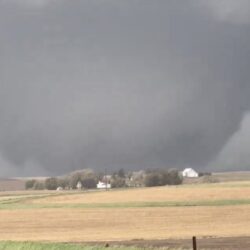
point(118, 179)
point(162, 177)
point(88, 179)
point(34, 184)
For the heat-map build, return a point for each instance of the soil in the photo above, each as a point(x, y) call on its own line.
point(227, 243)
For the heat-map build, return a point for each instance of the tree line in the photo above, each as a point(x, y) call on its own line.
point(88, 179)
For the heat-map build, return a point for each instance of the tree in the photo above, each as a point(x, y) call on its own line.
point(174, 178)
point(29, 184)
point(161, 177)
point(87, 178)
point(89, 182)
point(121, 173)
point(51, 183)
point(63, 182)
point(152, 179)
point(74, 179)
point(39, 185)
point(118, 182)
point(137, 178)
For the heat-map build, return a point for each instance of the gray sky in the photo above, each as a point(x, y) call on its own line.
point(132, 84)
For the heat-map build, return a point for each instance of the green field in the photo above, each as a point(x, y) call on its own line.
point(55, 246)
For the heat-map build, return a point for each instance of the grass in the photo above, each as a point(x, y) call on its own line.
point(182, 194)
point(18, 204)
point(219, 194)
point(8, 245)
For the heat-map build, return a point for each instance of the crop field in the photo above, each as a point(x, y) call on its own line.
point(185, 193)
point(160, 213)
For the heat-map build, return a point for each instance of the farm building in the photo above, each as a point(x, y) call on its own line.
point(103, 185)
point(189, 172)
point(59, 189)
point(79, 185)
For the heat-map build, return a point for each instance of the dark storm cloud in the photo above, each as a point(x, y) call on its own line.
point(114, 84)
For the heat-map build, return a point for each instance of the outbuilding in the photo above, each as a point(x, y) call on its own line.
point(103, 185)
point(59, 189)
point(79, 185)
point(189, 172)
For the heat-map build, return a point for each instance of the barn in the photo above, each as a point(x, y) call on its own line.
point(189, 172)
point(103, 185)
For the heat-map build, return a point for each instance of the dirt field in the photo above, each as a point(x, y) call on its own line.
point(79, 225)
point(225, 243)
point(162, 215)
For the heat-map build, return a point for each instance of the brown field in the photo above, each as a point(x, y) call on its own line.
point(123, 224)
point(158, 194)
point(30, 218)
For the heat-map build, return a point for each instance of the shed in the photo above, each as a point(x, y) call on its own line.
point(103, 185)
point(189, 172)
point(59, 189)
point(79, 185)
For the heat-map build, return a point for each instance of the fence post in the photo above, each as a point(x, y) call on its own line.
point(194, 243)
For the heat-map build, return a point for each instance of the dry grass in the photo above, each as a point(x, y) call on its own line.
point(63, 224)
point(157, 194)
point(126, 224)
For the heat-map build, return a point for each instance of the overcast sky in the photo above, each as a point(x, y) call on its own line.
point(124, 84)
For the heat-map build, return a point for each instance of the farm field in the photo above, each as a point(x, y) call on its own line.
point(54, 246)
point(11, 184)
point(183, 193)
point(146, 214)
point(232, 176)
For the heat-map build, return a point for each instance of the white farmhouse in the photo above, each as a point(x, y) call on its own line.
point(189, 172)
point(102, 185)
